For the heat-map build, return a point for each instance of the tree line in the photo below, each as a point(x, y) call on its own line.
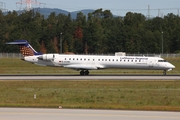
point(97, 33)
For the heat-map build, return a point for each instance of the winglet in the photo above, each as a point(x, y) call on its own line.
point(25, 48)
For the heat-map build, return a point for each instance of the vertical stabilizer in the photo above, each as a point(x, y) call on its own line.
point(25, 48)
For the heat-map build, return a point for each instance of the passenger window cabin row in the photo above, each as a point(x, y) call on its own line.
point(117, 60)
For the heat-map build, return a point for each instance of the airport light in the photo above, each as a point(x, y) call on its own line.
point(162, 41)
point(60, 43)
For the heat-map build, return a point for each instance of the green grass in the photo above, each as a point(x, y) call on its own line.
point(103, 94)
point(137, 95)
point(17, 66)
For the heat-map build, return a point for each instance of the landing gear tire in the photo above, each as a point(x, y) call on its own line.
point(82, 72)
point(164, 72)
point(86, 72)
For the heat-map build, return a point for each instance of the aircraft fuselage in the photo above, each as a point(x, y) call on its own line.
point(93, 62)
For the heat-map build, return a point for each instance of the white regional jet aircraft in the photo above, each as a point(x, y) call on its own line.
point(84, 63)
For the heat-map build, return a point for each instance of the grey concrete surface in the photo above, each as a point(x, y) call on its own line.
point(83, 114)
point(97, 77)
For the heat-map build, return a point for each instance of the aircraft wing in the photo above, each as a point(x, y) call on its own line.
point(83, 67)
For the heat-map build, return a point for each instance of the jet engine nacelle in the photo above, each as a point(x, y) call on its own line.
point(46, 57)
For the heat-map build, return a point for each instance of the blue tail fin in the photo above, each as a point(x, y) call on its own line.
point(25, 48)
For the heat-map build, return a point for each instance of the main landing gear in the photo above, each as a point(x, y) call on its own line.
point(82, 72)
point(164, 72)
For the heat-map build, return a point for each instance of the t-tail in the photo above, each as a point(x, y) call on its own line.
point(25, 48)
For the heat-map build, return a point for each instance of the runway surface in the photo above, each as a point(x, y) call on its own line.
point(90, 77)
point(83, 114)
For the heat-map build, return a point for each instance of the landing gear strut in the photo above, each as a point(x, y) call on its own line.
point(82, 72)
point(164, 72)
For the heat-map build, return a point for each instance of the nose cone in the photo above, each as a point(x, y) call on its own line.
point(171, 66)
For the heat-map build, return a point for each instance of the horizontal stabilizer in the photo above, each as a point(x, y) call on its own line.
point(18, 43)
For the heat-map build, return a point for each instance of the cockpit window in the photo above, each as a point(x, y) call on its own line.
point(162, 61)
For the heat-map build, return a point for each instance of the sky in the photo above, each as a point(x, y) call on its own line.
point(117, 7)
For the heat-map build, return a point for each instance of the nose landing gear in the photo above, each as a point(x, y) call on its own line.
point(164, 72)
